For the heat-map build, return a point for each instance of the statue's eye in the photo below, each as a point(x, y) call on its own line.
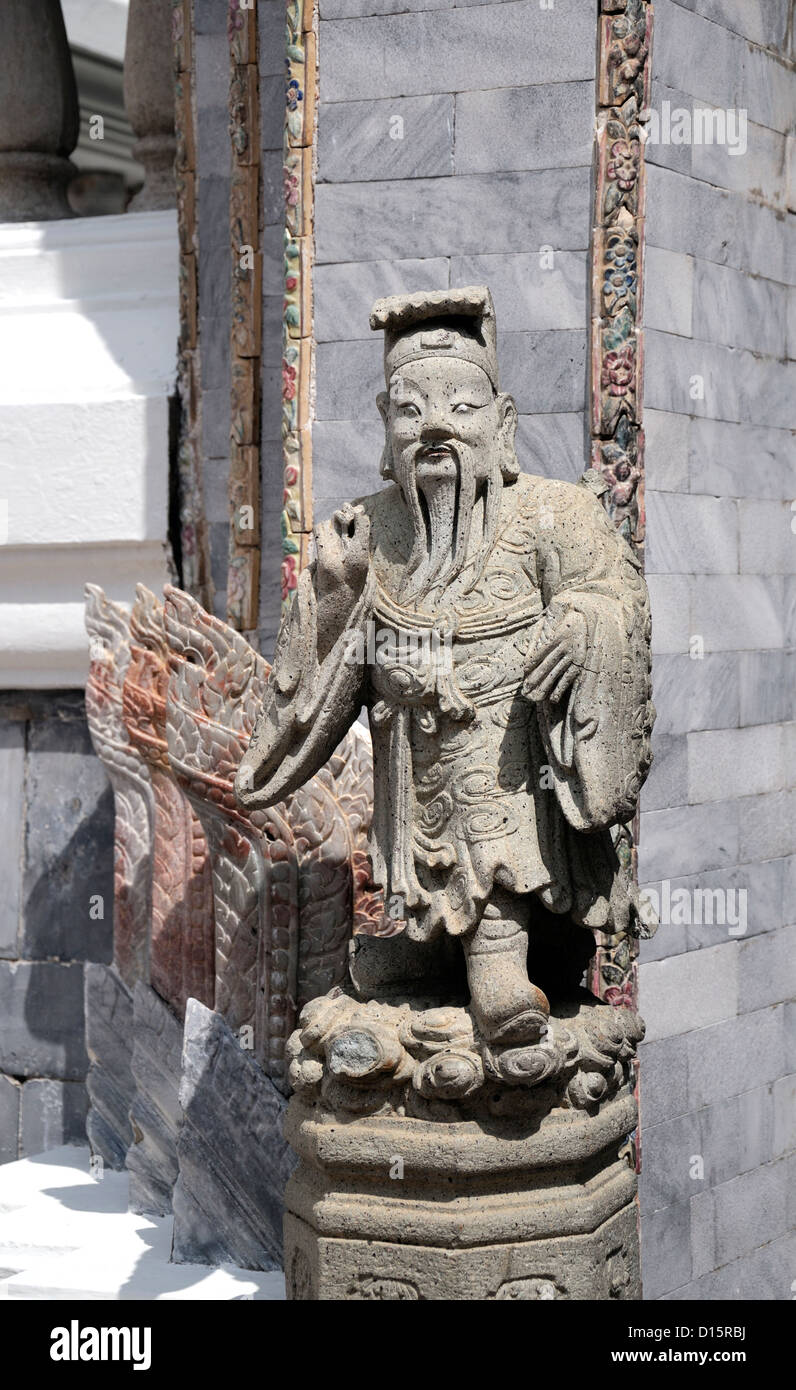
point(408, 408)
point(462, 408)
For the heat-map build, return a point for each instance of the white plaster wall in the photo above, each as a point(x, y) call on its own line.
point(99, 26)
point(88, 340)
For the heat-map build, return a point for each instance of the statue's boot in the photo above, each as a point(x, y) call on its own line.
point(505, 1005)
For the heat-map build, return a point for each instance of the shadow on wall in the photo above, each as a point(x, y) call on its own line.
point(62, 868)
point(67, 911)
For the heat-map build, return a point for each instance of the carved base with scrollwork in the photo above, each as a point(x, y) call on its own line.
point(434, 1166)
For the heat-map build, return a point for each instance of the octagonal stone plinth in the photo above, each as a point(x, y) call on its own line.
point(394, 1207)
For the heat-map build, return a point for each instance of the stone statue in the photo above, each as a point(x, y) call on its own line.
point(496, 627)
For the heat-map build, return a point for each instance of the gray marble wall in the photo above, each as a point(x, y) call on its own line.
point(454, 144)
point(719, 810)
point(56, 871)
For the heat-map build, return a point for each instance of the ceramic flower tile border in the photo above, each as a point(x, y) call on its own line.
point(195, 555)
point(243, 572)
point(297, 354)
point(617, 251)
point(617, 437)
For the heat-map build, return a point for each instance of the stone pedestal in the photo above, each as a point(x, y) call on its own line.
point(433, 1166)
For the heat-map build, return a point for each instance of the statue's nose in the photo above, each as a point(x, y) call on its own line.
point(437, 425)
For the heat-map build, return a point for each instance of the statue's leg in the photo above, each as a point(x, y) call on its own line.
point(504, 1003)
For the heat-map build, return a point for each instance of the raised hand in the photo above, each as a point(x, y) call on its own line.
point(342, 548)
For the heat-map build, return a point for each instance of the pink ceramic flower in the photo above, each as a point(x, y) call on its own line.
point(620, 996)
point(623, 481)
point(291, 189)
point(289, 575)
point(618, 371)
point(623, 167)
point(234, 19)
point(288, 382)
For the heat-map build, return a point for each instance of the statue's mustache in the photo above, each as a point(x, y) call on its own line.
point(436, 449)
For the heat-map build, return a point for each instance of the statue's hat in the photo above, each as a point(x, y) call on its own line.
point(438, 323)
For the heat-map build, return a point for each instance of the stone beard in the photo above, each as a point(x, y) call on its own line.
point(451, 485)
point(512, 737)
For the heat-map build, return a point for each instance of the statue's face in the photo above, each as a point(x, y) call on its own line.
point(437, 410)
point(449, 446)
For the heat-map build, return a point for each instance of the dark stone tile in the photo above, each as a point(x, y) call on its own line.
point(155, 1112)
point(110, 1085)
point(68, 868)
point(228, 1201)
point(41, 1008)
point(12, 788)
point(210, 16)
point(10, 1092)
point(53, 1113)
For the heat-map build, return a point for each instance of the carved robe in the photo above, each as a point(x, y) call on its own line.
point(475, 785)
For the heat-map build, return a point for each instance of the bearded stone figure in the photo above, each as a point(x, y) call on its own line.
point(496, 627)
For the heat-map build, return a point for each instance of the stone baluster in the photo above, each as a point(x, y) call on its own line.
point(149, 100)
point(38, 112)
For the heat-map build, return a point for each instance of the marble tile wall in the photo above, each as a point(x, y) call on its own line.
point(719, 811)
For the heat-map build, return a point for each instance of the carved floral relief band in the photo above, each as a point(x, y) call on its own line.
point(617, 437)
point(297, 346)
point(617, 250)
point(194, 548)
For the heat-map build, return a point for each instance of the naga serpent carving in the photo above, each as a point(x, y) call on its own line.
point(181, 962)
point(289, 882)
point(108, 627)
point(250, 912)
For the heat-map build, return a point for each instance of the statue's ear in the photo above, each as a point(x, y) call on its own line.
point(507, 429)
point(386, 465)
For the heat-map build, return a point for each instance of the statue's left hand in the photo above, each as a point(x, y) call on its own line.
point(342, 550)
point(557, 656)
